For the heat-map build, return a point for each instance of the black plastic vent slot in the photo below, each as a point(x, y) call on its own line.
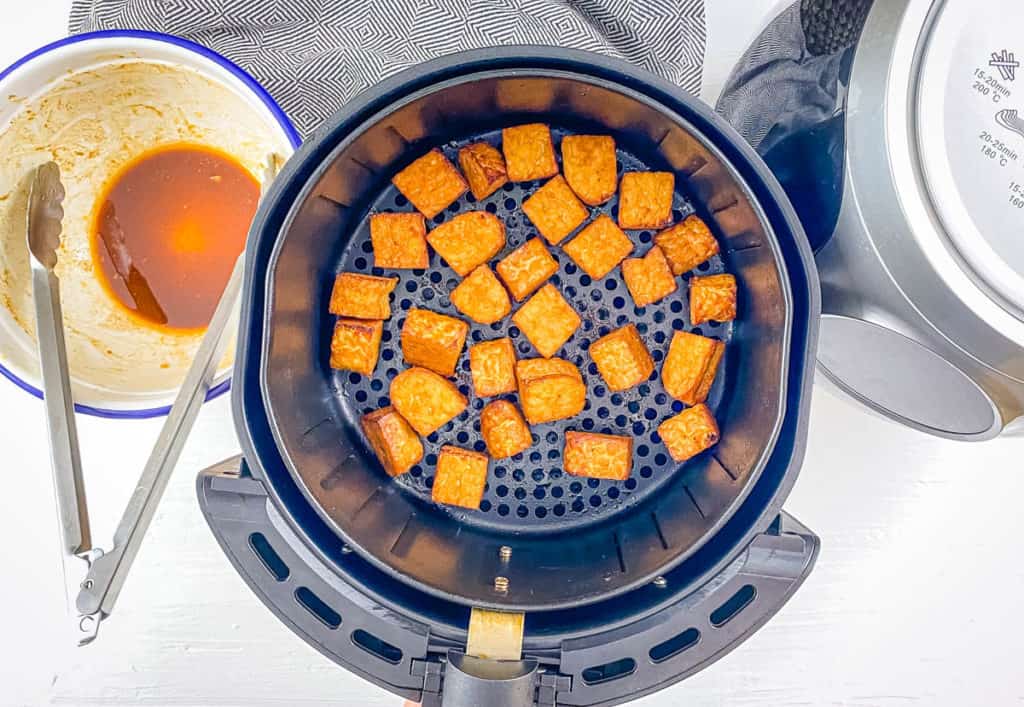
point(375, 646)
point(317, 607)
point(268, 556)
point(675, 645)
point(609, 671)
point(733, 605)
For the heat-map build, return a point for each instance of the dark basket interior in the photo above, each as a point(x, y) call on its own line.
point(573, 539)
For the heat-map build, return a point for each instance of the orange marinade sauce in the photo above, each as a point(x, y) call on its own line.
point(167, 231)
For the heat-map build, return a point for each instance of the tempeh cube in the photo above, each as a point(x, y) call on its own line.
point(392, 439)
point(547, 320)
point(526, 268)
point(493, 367)
point(503, 429)
point(687, 244)
point(645, 199)
point(589, 164)
point(649, 278)
point(689, 433)
point(481, 297)
point(555, 210)
point(468, 240)
point(690, 367)
point(399, 241)
point(355, 345)
point(460, 477)
point(598, 456)
point(529, 153)
point(433, 340)
point(622, 358)
point(431, 183)
point(426, 400)
point(712, 298)
point(484, 168)
point(362, 296)
point(599, 247)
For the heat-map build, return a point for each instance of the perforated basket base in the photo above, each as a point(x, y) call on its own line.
point(530, 492)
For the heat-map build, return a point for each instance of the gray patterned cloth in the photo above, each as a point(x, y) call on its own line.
point(314, 55)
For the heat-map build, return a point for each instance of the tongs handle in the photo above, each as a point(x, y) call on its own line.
point(65, 459)
point(107, 572)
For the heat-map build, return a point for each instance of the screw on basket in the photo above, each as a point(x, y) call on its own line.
point(501, 584)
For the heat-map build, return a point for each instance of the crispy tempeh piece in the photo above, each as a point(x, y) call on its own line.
point(399, 241)
point(426, 400)
point(590, 165)
point(598, 456)
point(493, 367)
point(460, 477)
point(355, 345)
point(689, 433)
point(526, 268)
point(392, 439)
point(599, 247)
point(686, 245)
point(529, 153)
point(649, 279)
point(690, 366)
point(431, 183)
point(555, 210)
point(433, 340)
point(484, 168)
point(712, 298)
point(503, 429)
point(622, 358)
point(481, 297)
point(550, 389)
point(468, 240)
point(645, 199)
point(362, 296)
point(547, 320)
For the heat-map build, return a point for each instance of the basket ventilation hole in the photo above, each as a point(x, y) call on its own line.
point(309, 601)
point(674, 646)
point(268, 556)
point(733, 605)
point(599, 674)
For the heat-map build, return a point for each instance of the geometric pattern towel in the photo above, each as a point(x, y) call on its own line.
point(314, 55)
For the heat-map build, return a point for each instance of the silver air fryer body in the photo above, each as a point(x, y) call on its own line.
point(923, 280)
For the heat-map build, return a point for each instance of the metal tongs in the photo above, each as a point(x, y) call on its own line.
point(107, 568)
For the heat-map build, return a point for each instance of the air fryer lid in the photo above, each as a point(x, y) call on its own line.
point(969, 120)
point(582, 555)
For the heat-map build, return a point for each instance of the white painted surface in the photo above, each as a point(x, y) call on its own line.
point(916, 598)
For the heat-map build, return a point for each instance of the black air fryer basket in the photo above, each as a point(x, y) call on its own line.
point(627, 587)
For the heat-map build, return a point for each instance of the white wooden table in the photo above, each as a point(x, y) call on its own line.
point(918, 595)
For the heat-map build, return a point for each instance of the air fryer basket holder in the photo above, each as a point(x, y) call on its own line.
point(695, 627)
point(400, 637)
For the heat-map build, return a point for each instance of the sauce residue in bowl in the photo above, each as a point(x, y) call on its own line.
point(168, 229)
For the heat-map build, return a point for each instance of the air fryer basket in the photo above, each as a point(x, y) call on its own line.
point(573, 540)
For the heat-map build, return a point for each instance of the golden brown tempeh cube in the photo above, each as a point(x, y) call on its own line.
point(393, 440)
point(529, 153)
point(555, 210)
point(460, 477)
point(599, 247)
point(547, 320)
point(493, 367)
point(399, 241)
point(649, 278)
point(589, 164)
point(481, 297)
point(426, 400)
point(550, 389)
point(645, 199)
point(687, 244)
point(598, 456)
point(503, 429)
point(356, 345)
point(484, 168)
point(362, 296)
point(433, 340)
point(468, 240)
point(526, 268)
point(690, 367)
point(622, 358)
point(712, 297)
point(431, 183)
point(689, 433)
